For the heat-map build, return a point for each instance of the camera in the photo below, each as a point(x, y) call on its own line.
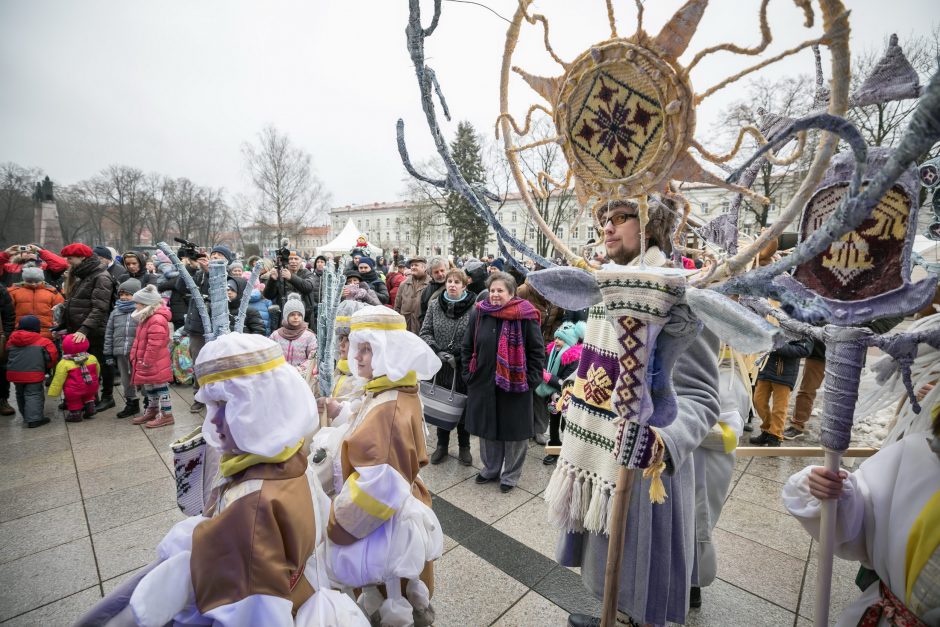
point(23, 249)
point(187, 249)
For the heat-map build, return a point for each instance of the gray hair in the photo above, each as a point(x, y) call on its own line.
point(436, 262)
point(505, 278)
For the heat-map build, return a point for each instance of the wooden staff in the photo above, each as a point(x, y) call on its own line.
point(618, 525)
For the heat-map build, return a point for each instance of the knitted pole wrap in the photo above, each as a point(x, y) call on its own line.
point(637, 304)
point(845, 357)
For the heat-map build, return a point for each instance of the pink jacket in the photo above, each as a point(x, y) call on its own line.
point(150, 353)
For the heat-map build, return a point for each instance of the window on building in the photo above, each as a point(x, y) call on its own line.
point(513, 231)
point(725, 206)
point(388, 222)
point(705, 207)
point(513, 217)
point(561, 232)
point(367, 222)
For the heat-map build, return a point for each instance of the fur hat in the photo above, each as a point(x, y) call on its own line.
point(77, 250)
point(28, 323)
point(131, 286)
point(147, 296)
point(103, 251)
point(33, 274)
point(294, 303)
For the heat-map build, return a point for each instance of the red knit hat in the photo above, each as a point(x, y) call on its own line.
point(77, 250)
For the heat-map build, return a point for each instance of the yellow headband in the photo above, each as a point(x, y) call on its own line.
point(233, 366)
point(378, 326)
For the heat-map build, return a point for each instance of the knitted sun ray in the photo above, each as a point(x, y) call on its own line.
point(624, 109)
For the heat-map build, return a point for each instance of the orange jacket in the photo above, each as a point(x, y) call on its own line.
point(36, 299)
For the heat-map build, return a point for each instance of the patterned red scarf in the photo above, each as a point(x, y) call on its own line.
point(510, 348)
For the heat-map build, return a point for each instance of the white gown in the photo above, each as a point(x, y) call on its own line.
point(881, 506)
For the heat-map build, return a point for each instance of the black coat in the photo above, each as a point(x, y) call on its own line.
point(179, 301)
point(783, 365)
point(303, 282)
point(492, 413)
point(90, 299)
point(193, 319)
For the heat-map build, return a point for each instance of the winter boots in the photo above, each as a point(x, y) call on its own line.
point(106, 402)
point(91, 409)
point(162, 420)
point(149, 414)
point(131, 408)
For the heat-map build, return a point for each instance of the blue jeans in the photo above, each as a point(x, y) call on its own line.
point(30, 399)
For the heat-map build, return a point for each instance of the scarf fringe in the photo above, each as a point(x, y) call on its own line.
point(579, 500)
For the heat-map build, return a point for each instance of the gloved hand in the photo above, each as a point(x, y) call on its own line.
point(447, 358)
point(109, 360)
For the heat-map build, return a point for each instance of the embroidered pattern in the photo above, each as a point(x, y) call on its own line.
point(629, 387)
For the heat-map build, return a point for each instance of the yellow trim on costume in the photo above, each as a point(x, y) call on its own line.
point(383, 383)
point(233, 464)
point(378, 326)
point(728, 437)
point(233, 373)
point(922, 541)
point(366, 502)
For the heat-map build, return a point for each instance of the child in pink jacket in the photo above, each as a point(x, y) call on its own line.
point(76, 376)
point(150, 357)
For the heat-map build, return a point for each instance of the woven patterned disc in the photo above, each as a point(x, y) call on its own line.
point(864, 262)
point(615, 114)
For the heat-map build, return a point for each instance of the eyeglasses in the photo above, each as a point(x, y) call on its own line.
point(616, 219)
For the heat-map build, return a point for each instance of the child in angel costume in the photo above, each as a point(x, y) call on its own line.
point(887, 518)
point(381, 527)
point(245, 560)
point(714, 462)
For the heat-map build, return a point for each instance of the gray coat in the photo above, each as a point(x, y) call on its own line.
point(119, 334)
point(659, 547)
point(444, 331)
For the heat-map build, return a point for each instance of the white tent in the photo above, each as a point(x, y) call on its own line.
point(346, 241)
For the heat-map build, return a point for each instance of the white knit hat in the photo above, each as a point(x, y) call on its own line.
point(148, 296)
point(294, 303)
point(263, 400)
point(395, 350)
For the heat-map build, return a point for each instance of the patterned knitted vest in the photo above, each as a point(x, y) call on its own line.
point(609, 407)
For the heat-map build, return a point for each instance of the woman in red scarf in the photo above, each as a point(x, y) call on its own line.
point(503, 356)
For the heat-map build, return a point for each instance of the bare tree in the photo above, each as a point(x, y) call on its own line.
point(427, 204)
point(126, 193)
point(787, 96)
point(17, 185)
point(159, 190)
point(555, 202)
point(883, 124)
point(288, 194)
point(185, 208)
point(76, 214)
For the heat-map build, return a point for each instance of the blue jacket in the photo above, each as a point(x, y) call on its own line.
point(261, 306)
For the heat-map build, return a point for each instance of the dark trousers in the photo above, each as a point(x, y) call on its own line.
point(556, 425)
point(463, 436)
point(4, 384)
point(30, 400)
point(105, 372)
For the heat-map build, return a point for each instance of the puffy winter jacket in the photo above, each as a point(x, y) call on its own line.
point(68, 374)
point(29, 356)
point(783, 364)
point(261, 305)
point(89, 299)
point(36, 299)
point(119, 336)
point(253, 322)
point(150, 353)
point(394, 280)
point(297, 351)
point(377, 284)
point(179, 301)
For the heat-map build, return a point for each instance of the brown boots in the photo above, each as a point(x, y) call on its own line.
point(149, 414)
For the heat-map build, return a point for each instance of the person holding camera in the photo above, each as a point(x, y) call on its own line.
point(18, 256)
point(197, 264)
point(282, 282)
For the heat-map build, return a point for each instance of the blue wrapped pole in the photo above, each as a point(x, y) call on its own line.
point(331, 292)
point(246, 298)
point(218, 298)
point(193, 288)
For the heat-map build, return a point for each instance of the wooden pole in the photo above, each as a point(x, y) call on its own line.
point(827, 534)
point(618, 526)
point(769, 451)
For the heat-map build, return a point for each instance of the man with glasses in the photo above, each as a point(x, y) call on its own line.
point(656, 572)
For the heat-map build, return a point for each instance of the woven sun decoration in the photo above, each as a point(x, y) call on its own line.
point(864, 275)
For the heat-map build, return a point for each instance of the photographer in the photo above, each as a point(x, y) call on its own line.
point(197, 264)
point(281, 282)
point(15, 257)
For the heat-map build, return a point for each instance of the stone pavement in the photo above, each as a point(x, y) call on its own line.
point(82, 507)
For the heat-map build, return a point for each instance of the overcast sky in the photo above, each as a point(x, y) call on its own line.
point(176, 86)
